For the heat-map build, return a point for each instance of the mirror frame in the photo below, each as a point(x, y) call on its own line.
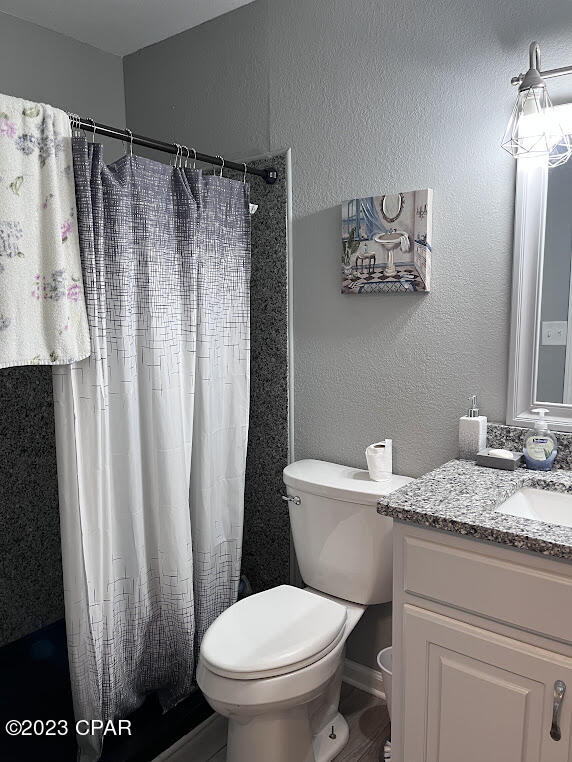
point(401, 205)
point(528, 260)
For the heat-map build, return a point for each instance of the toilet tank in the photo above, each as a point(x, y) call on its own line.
point(343, 546)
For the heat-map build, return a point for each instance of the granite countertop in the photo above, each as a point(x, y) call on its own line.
point(461, 497)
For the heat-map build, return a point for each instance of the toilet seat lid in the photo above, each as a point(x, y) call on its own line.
point(272, 632)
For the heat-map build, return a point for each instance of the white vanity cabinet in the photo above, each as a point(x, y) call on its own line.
point(482, 634)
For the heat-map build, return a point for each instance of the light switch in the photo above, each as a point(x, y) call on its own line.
point(554, 333)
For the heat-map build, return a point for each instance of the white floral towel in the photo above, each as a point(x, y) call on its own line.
point(43, 317)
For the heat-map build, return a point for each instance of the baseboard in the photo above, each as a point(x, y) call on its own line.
point(203, 742)
point(365, 678)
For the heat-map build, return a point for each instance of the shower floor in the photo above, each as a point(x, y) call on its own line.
point(35, 685)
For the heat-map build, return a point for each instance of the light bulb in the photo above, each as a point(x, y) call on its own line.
point(533, 129)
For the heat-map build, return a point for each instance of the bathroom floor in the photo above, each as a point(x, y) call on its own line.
point(367, 718)
point(369, 725)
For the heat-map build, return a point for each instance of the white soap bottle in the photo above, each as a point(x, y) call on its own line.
point(472, 432)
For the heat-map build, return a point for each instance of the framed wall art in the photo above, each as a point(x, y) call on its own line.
point(386, 243)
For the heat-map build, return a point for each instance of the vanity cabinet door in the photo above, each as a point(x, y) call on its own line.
point(472, 695)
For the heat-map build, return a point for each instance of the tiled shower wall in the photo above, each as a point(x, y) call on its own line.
point(31, 594)
point(266, 543)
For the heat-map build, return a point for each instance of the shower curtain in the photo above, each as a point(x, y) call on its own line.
point(151, 430)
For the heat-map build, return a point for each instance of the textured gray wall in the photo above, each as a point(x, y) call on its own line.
point(37, 64)
point(44, 66)
point(373, 97)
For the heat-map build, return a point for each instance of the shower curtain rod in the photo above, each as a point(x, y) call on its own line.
point(269, 175)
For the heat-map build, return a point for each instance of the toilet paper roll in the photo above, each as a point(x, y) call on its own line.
point(379, 460)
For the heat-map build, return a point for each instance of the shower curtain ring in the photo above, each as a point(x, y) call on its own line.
point(244, 175)
point(176, 160)
point(130, 141)
point(89, 119)
point(218, 156)
point(194, 158)
point(74, 123)
point(187, 156)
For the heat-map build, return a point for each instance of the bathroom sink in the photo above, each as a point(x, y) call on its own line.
point(540, 505)
point(389, 241)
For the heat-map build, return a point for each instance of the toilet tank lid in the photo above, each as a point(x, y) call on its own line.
point(318, 477)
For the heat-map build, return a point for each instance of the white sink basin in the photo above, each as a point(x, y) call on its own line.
point(389, 241)
point(540, 505)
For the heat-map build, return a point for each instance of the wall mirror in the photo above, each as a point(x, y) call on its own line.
point(540, 370)
point(392, 206)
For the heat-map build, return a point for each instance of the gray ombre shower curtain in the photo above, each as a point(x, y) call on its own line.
point(152, 429)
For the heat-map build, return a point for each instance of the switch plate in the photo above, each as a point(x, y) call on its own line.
point(554, 333)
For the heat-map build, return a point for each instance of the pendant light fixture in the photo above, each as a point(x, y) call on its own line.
point(533, 129)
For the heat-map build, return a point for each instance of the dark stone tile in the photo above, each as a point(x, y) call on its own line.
point(31, 593)
point(266, 543)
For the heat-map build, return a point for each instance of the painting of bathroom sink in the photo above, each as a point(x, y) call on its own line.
point(386, 243)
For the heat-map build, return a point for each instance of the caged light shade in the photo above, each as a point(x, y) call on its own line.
point(533, 129)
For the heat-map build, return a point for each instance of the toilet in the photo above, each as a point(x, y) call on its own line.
point(272, 663)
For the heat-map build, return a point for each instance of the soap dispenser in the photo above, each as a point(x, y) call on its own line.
point(539, 444)
point(472, 432)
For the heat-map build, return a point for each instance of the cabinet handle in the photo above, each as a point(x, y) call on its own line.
point(559, 691)
point(296, 500)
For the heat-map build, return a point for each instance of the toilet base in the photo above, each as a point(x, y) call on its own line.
point(284, 737)
point(325, 747)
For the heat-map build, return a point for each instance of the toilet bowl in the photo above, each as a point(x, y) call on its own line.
point(272, 663)
point(278, 679)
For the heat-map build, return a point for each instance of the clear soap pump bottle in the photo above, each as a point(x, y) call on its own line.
point(539, 444)
point(472, 432)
